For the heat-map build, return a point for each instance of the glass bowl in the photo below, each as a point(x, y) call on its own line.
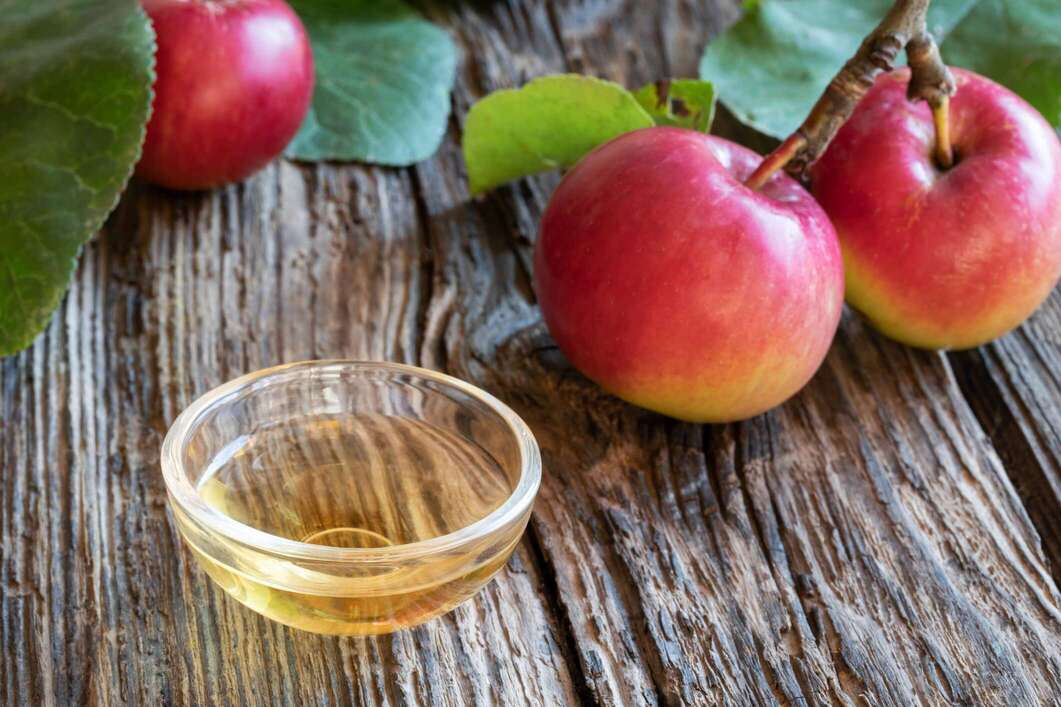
point(348, 497)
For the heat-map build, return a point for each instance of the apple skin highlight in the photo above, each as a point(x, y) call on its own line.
point(945, 259)
point(234, 82)
point(672, 285)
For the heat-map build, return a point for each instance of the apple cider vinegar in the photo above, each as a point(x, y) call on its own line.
point(353, 481)
point(350, 497)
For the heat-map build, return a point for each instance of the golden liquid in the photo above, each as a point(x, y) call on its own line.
point(356, 481)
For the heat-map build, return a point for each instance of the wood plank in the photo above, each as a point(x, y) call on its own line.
point(861, 544)
point(1014, 386)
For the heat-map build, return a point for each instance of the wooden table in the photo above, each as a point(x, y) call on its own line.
point(890, 536)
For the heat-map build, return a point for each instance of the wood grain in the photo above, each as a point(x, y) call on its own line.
point(863, 544)
point(1014, 385)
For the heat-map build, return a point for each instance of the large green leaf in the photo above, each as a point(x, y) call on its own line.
point(75, 93)
point(1017, 44)
point(548, 124)
point(772, 65)
point(383, 81)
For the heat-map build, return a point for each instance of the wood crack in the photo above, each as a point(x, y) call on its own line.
point(560, 617)
point(774, 553)
point(1024, 464)
point(426, 289)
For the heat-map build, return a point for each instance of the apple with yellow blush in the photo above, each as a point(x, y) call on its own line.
point(666, 280)
point(945, 258)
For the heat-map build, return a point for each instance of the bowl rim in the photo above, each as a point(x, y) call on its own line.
point(185, 495)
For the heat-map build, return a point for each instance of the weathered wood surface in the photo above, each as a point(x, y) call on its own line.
point(877, 540)
point(1014, 385)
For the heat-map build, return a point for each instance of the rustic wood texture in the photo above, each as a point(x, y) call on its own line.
point(876, 540)
point(1014, 385)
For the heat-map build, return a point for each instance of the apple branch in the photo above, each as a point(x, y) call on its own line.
point(904, 27)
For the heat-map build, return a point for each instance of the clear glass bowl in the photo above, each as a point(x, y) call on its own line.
point(347, 497)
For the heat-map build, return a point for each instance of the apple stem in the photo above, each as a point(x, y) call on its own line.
point(775, 161)
point(904, 27)
point(932, 82)
point(941, 117)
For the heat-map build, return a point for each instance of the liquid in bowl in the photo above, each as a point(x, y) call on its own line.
point(351, 498)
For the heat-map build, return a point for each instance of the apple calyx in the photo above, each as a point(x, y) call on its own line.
point(903, 28)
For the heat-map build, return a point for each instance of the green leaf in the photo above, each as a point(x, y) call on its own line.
point(548, 124)
point(774, 63)
point(75, 93)
point(1017, 44)
point(383, 79)
point(684, 103)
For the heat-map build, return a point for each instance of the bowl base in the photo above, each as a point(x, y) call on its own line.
point(350, 615)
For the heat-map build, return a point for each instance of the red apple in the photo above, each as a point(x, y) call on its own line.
point(235, 78)
point(671, 284)
point(945, 258)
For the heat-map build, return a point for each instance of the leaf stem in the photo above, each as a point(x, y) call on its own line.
point(904, 27)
